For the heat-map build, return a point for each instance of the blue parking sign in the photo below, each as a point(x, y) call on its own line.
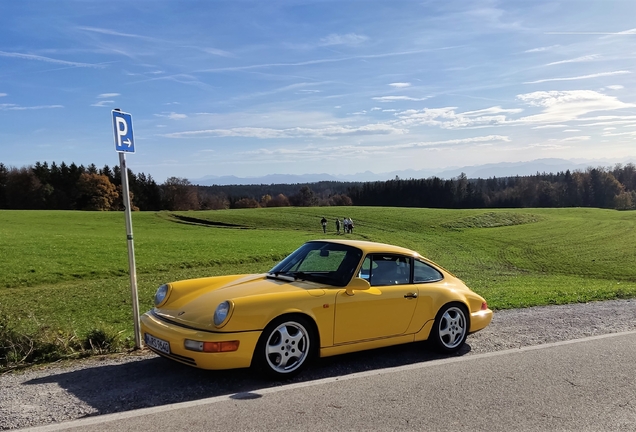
point(122, 126)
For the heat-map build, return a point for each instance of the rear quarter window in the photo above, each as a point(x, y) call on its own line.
point(423, 273)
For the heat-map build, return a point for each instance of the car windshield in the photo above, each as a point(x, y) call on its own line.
point(322, 262)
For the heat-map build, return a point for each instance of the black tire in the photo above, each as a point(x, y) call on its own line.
point(450, 328)
point(285, 348)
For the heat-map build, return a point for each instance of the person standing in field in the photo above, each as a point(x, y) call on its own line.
point(337, 226)
point(323, 221)
point(351, 225)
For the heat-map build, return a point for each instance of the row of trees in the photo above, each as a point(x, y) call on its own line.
point(72, 187)
point(90, 188)
point(596, 187)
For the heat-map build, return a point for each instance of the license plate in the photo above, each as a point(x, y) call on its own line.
point(156, 343)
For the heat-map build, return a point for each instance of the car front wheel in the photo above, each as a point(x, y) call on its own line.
point(285, 347)
point(450, 329)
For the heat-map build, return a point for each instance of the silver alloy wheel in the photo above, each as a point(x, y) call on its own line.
point(452, 328)
point(287, 347)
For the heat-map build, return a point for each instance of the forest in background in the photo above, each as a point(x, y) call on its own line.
point(73, 187)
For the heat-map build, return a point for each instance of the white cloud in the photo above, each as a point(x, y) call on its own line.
point(492, 110)
point(346, 39)
point(541, 49)
point(561, 106)
point(269, 133)
point(314, 62)
point(576, 60)
point(107, 95)
point(3, 94)
point(572, 130)
point(577, 138)
point(218, 52)
point(172, 116)
point(115, 33)
point(626, 122)
point(400, 85)
point(49, 60)
point(103, 103)
point(447, 118)
point(597, 75)
point(397, 98)
point(550, 146)
point(607, 134)
point(325, 152)
point(13, 107)
point(456, 142)
point(550, 126)
point(615, 87)
point(625, 32)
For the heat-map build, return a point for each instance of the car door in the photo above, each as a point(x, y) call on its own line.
point(386, 309)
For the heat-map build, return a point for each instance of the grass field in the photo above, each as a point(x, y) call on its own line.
point(68, 271)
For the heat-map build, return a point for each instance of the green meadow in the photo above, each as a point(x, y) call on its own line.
point(67, 272)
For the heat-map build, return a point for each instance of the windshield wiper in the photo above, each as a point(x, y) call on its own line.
point(283, 277)
point(313, 277)
point(301, 275)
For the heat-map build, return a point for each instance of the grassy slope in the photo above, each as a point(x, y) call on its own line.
point(69, 270)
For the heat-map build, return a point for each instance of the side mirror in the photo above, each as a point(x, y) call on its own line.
point(357, 284)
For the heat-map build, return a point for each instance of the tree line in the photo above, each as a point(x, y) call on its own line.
point(73, 187)
point(596, 187)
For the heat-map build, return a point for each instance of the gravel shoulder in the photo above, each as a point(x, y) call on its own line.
point(108, 384)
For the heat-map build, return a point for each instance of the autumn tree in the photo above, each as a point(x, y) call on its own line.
point(96, 192)
point(279, 200)
point(213, 201)
point(265, 199)
point(340, 200)
point(625, 200)
point(179, 194)
point(246, 203)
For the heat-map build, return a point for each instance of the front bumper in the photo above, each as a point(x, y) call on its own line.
point(479, 320)
point(176, 335)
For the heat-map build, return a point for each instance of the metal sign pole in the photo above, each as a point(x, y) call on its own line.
point(131, 248)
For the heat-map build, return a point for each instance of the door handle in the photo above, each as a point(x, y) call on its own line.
point(410, 295)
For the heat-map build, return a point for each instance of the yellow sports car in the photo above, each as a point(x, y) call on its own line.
point(328, 297)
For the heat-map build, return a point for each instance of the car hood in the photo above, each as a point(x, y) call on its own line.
point(192, 302)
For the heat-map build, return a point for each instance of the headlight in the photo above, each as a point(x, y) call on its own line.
point(162, 294)
point(221, 313)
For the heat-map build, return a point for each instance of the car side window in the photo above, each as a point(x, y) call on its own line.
point(423, 273)
point(387, 270)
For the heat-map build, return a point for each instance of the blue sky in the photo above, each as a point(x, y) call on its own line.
point(250, 88)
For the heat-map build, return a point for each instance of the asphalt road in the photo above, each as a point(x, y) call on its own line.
point(586, 384)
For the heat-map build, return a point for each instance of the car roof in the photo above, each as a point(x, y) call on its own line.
point(372, 247)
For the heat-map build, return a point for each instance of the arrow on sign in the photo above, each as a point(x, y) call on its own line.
point(127, 142)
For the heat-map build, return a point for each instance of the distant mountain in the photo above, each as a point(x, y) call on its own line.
point(504, 169)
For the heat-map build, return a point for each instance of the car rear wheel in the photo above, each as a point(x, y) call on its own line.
point(285, 347)
point(450, 329)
